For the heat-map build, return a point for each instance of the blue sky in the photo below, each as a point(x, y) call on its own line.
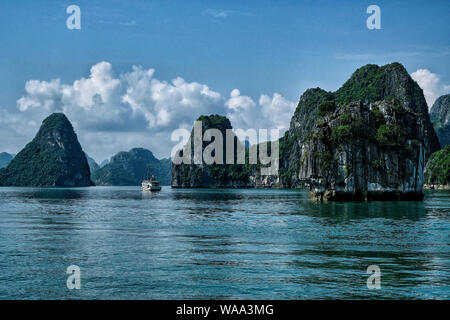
point(258, 47)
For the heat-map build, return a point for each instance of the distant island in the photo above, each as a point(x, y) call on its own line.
point(437, 170)
point(5, 159)
point(129, 169)
point(440, 117)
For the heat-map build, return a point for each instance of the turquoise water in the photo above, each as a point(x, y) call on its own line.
point(219, 243)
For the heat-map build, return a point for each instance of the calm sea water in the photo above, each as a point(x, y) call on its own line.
point(209, 243)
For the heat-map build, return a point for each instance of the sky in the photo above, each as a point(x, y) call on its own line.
point(137, 70)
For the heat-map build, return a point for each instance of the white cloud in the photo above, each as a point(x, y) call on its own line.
point(218, 13)
point(166, 104)
point(239, 103)
point(431, 85)
point(271, 112)
point(278, 109)
point(115, 113)
point(41, 94)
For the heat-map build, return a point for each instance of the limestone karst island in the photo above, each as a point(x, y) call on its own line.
point(229, 158)
point(372, 139)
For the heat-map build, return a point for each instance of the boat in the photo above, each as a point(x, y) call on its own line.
point(150, 184)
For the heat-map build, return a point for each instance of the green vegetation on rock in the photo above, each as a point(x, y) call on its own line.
point(341, 133)
point(366, 84)
point(391, 136)
point(372, 83)
point(437, 171)
point(53, 158)
point(130, 168)
point(366, 137)
point(379, 118)
point(215, 175)
point(327, 107)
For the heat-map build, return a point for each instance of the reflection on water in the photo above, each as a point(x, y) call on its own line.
point(344, 211)
point(219, 243)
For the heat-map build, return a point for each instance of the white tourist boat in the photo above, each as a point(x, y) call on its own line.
point(150, 185)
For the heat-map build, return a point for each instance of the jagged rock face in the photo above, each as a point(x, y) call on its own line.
point(302, 122)
point(360, 152)
point(53, 158)
point(368, 84)
point(130, 168)
point(192, 175)
point(372, 83)
point(368, 140)
point(440, 117)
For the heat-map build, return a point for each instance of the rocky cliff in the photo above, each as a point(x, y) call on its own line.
point(372, 83)
point(367, 140)
point(203, 175)
point(364, 152)
point(129, 169)
point(368, 84)
point(53, 158)
point(440, 117)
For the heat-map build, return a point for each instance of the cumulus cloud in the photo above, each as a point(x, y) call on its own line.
point(270, 112)
point(239, 103)
point(132, 102)
point(114, 113)
point(277, 110)
point(431, 85)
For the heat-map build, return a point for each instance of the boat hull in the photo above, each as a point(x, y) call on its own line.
point(145, 188)
point(150, 185)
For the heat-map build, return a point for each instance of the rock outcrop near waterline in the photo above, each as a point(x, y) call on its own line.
point(203, 175)
point(368, 84)
point(360, 152)
point(54, 158)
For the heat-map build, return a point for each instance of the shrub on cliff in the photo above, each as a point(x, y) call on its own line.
point(390, 136)
point(326, 107)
